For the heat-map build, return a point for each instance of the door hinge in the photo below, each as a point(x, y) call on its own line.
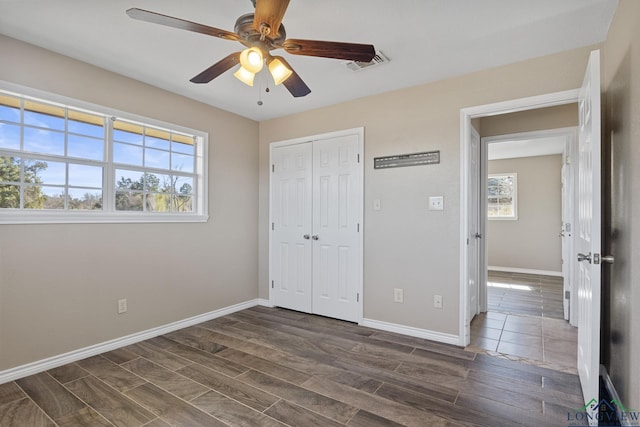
point(568, 160)
point(272, 284)
point(358, 227)
point(358, 157)
point(273, 226)
point(358, 297)
point(467, 240)
point(567, 294)
point(273, 168)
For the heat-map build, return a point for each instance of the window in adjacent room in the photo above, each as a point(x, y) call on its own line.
point(502, 191)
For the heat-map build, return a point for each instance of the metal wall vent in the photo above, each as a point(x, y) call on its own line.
point(377, 60)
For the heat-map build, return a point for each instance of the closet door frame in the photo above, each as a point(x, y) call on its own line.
point(359, 132)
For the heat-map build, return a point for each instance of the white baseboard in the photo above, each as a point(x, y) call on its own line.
point(526, 271)
point(83, 353)
point(265, 303)
point(411, 331)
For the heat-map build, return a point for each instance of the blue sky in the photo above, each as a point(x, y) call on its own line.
point(86, 141)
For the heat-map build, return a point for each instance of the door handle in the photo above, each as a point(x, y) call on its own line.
point(583, 257)
point(306, 237)
point(315, 237)
point(478, 236)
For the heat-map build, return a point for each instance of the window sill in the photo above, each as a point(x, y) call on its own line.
point(39, 217)
point(504, 218)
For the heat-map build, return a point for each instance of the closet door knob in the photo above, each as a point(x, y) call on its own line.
point(306, 237)
point(315, 237)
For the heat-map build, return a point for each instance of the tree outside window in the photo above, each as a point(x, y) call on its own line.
point(502, 196)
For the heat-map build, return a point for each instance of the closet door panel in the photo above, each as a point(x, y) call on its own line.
point(336, 244)
point(291, 215)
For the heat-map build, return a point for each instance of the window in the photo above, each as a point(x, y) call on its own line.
point(502, 194)
point(64, 163)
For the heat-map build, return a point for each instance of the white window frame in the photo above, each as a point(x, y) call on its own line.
point(109, 214)
point(514, 198)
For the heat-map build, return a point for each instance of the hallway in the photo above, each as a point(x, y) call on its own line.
point(525, 322)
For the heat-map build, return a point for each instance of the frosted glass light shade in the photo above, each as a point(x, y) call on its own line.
point(251, 59)
point(279, 71)
point(245, 76)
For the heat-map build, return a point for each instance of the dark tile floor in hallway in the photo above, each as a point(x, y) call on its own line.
point(525, 322)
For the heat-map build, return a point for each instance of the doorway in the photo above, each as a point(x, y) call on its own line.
point(587, 235)
point(524, 216)
point(509, 324)
point(528, 188)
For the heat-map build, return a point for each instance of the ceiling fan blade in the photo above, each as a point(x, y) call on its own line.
point(270, 12)
point(170, 21)
point(337, 50)
point(218, 68)
point(294, 84)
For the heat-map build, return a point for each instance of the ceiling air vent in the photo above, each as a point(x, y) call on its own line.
point(379, 59)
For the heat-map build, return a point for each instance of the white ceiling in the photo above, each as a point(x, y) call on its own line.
point(426, 40)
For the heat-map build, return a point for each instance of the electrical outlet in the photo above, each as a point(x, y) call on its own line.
point(398, 295)
point(436, 203)
point(122, 306)
point(437, 301)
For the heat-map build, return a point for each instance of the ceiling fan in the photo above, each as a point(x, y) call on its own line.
point(261, 32)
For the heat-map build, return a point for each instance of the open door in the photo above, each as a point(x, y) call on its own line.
point(474, 239)
point(566, 231)
point(587, 235)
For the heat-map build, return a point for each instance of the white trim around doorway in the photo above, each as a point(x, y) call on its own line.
point(466, 115)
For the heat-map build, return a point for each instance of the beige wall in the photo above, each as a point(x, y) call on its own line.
point(561, 116)
point(621, 149)
point(531, 241)
point(59, 284)
point(406, 245)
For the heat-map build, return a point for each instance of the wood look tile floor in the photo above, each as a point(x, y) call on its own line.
point(527, 294)
point(274, 367)
point(525, 322)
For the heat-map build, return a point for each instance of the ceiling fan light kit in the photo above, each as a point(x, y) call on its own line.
point(245, 76)
point(260, 33)
point(279, 71)
point(251, 59)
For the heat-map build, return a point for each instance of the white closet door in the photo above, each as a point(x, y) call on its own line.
point(291, 197)
point(336, 239)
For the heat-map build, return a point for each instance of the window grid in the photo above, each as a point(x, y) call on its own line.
point(502, 202)
point(170, 174)
point(172, 190)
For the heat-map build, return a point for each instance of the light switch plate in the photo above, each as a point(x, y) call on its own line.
point(376, 205)
point(436, 203)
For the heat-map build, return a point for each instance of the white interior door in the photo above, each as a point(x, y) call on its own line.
point(291, 216)
point(336, 238)
point(565, 235)
point(587, 238)
point(474, 238)
point(569, 195)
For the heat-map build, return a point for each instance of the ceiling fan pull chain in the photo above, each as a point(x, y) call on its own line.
point(260, 103)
